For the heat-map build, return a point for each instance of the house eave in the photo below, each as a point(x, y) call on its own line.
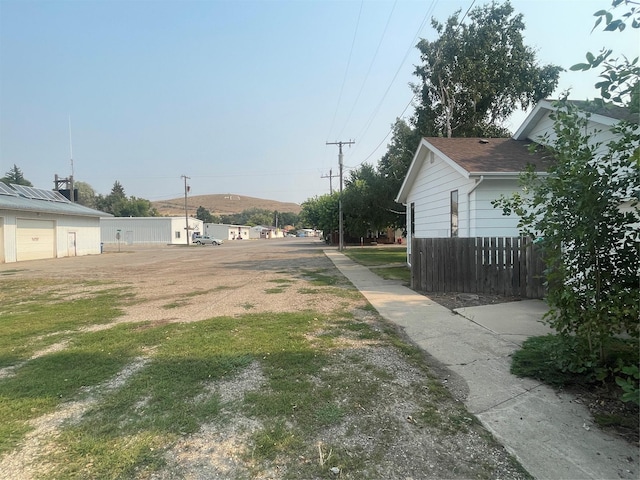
point(545, 106)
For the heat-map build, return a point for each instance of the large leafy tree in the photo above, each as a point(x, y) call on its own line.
point(363, 211)
point(287, 218)
point(476, 73)
point(86, 194)
point(15, 175)
point(321, 213)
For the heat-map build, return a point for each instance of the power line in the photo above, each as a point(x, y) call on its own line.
point(366, 77)
point(344, 79)
point(385, 137)
point(404, 59)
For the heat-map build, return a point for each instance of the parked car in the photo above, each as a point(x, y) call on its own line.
point(207, 240)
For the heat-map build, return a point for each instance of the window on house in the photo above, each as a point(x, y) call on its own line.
point(454, 213)
point(177, 233)
point(412, 229)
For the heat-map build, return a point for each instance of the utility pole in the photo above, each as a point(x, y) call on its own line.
point(341, 234)
point(186, 212)
point(71, 185)
point(330, 177)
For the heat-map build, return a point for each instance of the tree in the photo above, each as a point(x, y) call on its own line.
point(361, 205)
point(586, 212)
point(133, 207)
point(477, 73)
point(257, 216)
point(393, 167)
point(205, 215)
point(86, 194)
point(117, 204)
point(117, 191)
point(287, 218)
point(14, 175)
point(321, 213)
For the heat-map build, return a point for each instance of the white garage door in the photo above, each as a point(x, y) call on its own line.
point(35, 239)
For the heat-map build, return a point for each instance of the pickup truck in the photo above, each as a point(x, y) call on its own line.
point(207, 240)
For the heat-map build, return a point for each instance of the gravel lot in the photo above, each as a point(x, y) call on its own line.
point(236, 278)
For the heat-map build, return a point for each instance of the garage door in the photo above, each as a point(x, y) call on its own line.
point(35, 239)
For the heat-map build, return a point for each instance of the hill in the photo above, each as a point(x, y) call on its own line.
point(221, 204)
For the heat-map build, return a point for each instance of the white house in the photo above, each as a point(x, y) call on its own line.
point(227, 232)
point(451, 182)
point(38, 224)
point(149, 230)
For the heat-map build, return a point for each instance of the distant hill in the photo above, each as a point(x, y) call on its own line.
point(221, 204)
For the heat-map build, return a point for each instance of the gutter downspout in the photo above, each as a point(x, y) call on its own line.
point(478, 182)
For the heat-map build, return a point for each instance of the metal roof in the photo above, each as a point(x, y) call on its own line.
point(14, 199)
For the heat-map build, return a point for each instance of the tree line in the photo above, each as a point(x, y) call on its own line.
point(251, 217)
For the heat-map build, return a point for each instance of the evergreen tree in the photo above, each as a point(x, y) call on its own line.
point(14, 175)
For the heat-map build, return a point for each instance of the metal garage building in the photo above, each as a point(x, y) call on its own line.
point(37, 223)
point(148, 230)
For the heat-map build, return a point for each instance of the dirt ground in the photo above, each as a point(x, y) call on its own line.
point(236, 278)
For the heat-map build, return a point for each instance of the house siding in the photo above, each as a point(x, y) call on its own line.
point(602, 133)
point(487, 221)
point(431, 196)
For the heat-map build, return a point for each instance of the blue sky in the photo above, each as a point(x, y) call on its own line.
point(240, 96)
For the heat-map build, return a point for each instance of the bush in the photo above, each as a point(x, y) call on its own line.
point(560, 360)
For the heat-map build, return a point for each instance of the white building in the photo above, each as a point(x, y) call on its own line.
point(149, 230)
point(38, 224)
point(227, 232)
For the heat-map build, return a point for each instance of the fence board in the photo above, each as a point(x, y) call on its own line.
point(508, 266)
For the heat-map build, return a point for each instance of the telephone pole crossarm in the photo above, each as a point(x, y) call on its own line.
point(331, 176)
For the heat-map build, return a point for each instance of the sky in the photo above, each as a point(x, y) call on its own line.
point(239, 96)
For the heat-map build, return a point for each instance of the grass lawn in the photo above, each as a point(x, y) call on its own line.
point(126, 394)
point(389, 263)
point(377, 255)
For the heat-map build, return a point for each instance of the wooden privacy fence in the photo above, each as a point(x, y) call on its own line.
point(494, 265)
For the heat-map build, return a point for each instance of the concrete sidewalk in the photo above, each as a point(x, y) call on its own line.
point(551, 435)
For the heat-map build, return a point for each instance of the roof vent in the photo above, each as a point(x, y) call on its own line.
point(483, 141)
